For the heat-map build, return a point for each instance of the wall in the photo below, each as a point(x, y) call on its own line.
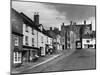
point(16, 22)
point(16, 30)
point(41, 42)
point(19, 47)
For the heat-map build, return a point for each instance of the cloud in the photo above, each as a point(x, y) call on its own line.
point(53, 14)
point(49, 16)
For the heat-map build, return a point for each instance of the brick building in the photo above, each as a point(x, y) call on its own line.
point(16, 38)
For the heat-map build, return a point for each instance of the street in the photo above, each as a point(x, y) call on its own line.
point(79, 60)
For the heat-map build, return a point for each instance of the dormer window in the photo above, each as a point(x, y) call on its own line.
point(41, 27)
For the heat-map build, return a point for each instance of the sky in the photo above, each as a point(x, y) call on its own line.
point(54, 14)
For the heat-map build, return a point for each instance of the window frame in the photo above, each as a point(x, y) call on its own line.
point(17, 57)
point(16, 41)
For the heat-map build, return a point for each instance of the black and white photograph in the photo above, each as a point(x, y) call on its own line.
point(52, 37)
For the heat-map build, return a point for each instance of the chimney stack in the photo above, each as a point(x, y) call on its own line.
point(74, 23)
point(63, 24)
point(36, 18)
point(50, 28)
point(71, 22)
point(84, 22)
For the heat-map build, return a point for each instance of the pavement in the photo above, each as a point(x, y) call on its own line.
point(40, 61)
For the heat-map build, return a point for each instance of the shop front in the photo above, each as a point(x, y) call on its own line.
point(17, 57)
point(29, 54)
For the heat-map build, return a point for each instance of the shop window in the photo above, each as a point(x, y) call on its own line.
point(90, 46)
point(85, 45)
point(16, 41)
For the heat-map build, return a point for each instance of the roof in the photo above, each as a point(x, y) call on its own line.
point(32, 24)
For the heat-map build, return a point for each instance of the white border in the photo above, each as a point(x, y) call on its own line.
point(5, 36)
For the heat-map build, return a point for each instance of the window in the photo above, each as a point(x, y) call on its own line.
point(68, 38)
point(17, 57)
point(41, 39)
point(26, 40)
point(85, 45)
point(32, 31)
point(26, 28)
point(90, 46)
point(87, 41)
point(32, 41)
point(16, 41)
point(47, 39)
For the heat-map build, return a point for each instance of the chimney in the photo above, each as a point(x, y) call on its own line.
point(71, 22)
point(84, 22)
point(36, 18)
point(74, 23)
point(91, 26)
point(50, 28)
point(63, 24)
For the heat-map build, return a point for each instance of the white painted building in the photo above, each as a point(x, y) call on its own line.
point(88, 43)
point(29, 42)
point(41, 42)
point(30, 36)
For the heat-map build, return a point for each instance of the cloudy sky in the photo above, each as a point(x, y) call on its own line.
point(54, 15)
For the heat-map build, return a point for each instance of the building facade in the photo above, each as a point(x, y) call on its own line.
point(30, 46)
point(16, 38)
point(88, 38)
point(72, 35)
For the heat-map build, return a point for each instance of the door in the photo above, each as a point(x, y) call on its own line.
point(78, 45)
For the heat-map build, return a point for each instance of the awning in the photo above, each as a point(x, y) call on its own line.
point(30, 48)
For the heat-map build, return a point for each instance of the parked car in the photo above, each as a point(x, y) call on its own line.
point(50, 49)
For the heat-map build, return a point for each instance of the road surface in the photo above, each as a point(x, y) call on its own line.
point(79, 60)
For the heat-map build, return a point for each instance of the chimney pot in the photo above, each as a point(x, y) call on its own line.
point(71, 22)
